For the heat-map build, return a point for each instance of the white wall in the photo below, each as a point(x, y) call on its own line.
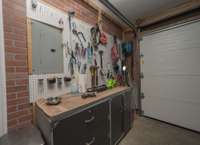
point(3, 112)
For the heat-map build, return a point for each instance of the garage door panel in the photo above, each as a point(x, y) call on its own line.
point(171, 83)
point(173, 112)
point(181, 61)
point(184, 89)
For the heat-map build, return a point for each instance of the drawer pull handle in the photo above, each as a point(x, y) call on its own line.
point(91, 142)
point(90, 120)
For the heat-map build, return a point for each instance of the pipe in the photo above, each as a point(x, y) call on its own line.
point(118, 13)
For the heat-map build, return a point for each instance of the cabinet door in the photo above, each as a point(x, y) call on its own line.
point(71, 131)
point(117, 118)
point(127, 112)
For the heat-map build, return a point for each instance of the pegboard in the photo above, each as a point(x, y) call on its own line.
point(51, 16)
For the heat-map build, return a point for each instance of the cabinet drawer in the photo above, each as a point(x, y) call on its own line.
point(97, 114)
point(99, 136)
point(76, 130)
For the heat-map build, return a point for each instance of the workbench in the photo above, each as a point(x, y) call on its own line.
point(103, 119)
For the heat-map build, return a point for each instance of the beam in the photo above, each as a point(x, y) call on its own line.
point(106, 12)
point(185, 7)
point(29, 44)
point(115, 11)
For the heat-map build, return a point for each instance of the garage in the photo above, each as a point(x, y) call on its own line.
point(99, 72)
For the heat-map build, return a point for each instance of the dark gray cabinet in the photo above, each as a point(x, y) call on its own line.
point(105, 122)
point(127, 112)
point(117, 118)
point(120, 116)
point(89, 126)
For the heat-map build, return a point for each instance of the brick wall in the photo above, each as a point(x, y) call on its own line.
point(19, 110)
point(14, 12)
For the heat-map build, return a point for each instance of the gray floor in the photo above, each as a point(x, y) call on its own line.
point(150, 132)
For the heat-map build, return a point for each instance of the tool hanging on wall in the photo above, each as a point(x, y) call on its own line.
point(71, 14)
point(101, 64)
point(89, 54)
point(95, 59)
point(78, 34)
point(102, 38)
point(97, 35)
point(94, 75)
point(83, 69)
point(77, 50)
point(79, 66)
point(115, 56)
point(114, 51)
point(71, 64)
point(127, 48)
point(101, 58)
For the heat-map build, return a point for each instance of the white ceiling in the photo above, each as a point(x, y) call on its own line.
point(134, 9)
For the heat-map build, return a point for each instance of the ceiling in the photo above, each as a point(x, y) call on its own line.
point(134, 9)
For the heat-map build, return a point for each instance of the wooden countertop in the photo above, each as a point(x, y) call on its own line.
point(71, 102)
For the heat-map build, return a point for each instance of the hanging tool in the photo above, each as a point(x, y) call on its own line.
point(83, 52)
point(114, 51)
point(78, 34)
point(95, 34)
point(89, 54)
point(101, 58)
point(83, 36)
point(79, 66)
point(72, 62)
point(77, 50)
point(101, 64)
point(94, 76)
point(83, 69)
point(102, 36)
point(71, 14)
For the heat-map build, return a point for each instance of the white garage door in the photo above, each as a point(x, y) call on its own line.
point(171, 68)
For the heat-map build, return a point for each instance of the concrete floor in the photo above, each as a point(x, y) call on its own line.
point(151, 132)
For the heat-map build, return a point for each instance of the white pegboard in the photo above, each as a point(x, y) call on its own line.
point(39, 88)
point(51, 16)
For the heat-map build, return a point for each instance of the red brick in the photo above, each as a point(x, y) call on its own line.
point(17, 101)
point(22, 82)
point(16, 50)
point(22, 94)
point(19, 43)
point(11, 96)
point(25, 118)
point(12, 123)
point(10, 83)
point(17, 114)
point(24, 106)
point(12, 109)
